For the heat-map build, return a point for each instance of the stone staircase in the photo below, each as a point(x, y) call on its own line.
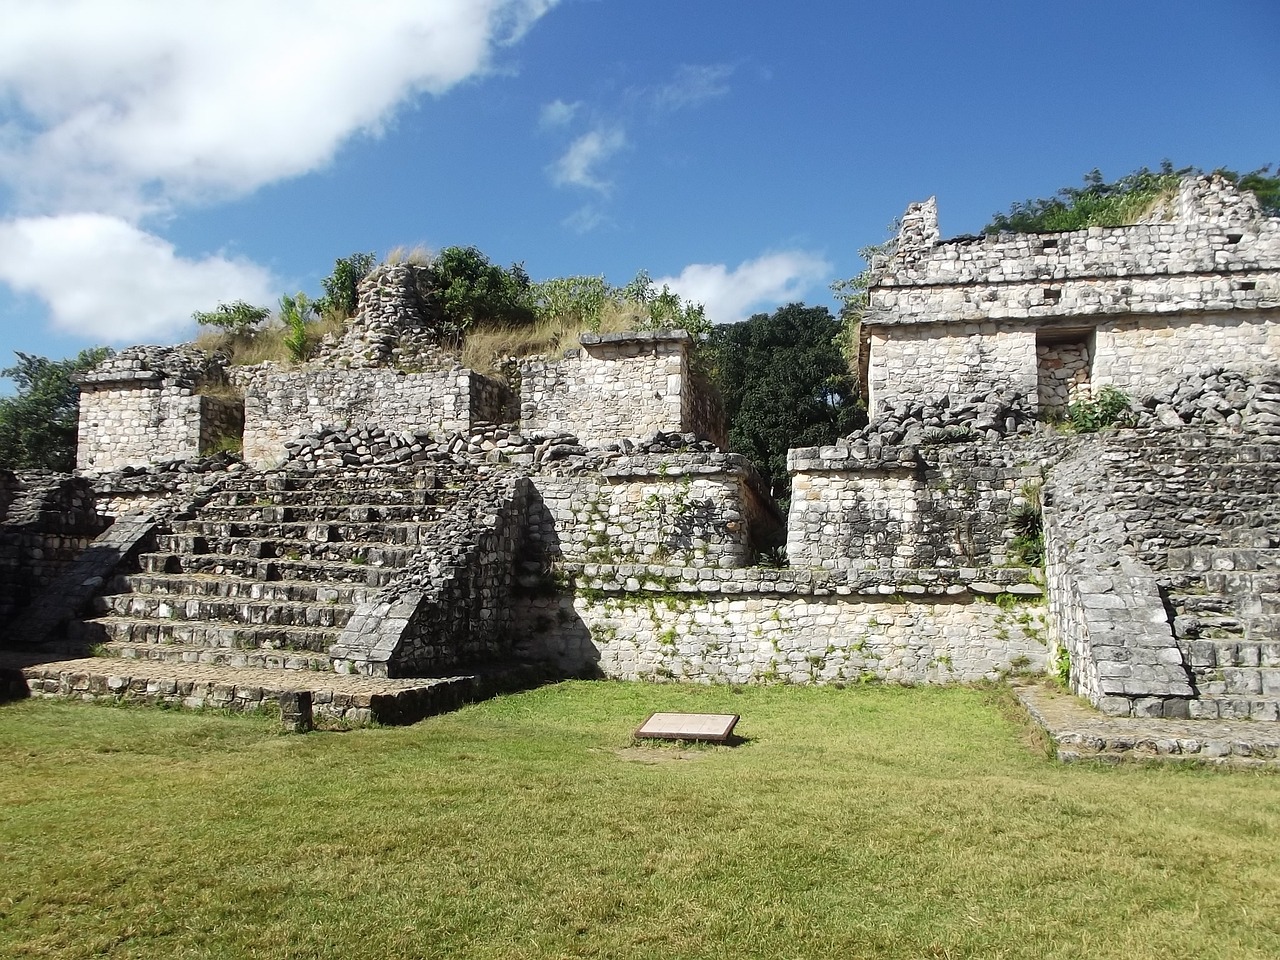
point(1226, 617)
point(239, 603)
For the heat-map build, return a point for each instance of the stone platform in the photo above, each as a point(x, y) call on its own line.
point(1079, 732)
point(349, 699)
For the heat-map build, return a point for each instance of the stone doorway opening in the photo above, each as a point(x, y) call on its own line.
point(1064, 370)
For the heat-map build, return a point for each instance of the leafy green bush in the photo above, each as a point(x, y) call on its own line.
point(1123, 201)
point(340, 287)
point(473, 292)
point(1110, 406)
point(237, 317)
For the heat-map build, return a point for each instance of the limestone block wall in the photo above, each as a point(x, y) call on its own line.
point(1141, 354)
point(744, 626)
point(145, 405)
point(136, 423)
point(960, 358)
point(284, 404)
point(688, 509)
point(622, 385)
point(868, 507)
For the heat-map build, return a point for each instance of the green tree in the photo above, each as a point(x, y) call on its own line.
point(341, 288)
point(784, 384)
point(237, 318)
point(38, 424)
point(470, 291)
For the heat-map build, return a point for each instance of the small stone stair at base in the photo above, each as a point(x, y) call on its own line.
point(349, 699)
point(244, 599)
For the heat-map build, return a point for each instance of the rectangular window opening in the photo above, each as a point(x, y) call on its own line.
point(1051, 295)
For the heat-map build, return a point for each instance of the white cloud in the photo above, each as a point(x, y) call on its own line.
point(107, 280)
point(693, 85)
point(577, 167)
point(585, 219)
point(113, 113)
point(763, 283)
point(123, 105)
point(557, 113)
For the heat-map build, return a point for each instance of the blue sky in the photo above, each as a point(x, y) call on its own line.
point(159, 158)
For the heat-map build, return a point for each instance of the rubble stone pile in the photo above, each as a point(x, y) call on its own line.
point(948, 419)
point(1217, 398)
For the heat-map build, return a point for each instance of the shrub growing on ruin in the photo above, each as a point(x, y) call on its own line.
point(236, 318)
point(1109, 407)
point(294, 313)
point(341, 287)
point(1120, 202)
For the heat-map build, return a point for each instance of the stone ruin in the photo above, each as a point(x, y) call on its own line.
point(401, 533)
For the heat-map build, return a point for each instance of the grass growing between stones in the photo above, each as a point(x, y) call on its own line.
point(870, 822)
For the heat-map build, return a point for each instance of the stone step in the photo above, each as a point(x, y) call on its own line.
point(1201, 604)
point(128, 629)
point(1081, 733)
point(387, 533)
point(258, 659)
point(1237, 582)
point(326, 512)
point(1262, 628)
point(1237, 681)
point(1228, 707)
point(207, 585)
point(227, 610)
point(1208, 654)
point(1258, 604)
point(328, 571)
point(348, 698)
point(344, 487)
point(348, 552)
point(1223, 558)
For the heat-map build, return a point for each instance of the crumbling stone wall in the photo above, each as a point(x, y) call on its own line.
point(618, 385)
point(968, 310)
point(284, 404)
point(1140, 354)
point(451, 605)
point(145, 404)
point(46, 520)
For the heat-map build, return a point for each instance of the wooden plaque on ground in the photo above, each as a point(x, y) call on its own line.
point(688, 726)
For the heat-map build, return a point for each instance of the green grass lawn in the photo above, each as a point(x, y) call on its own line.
point(870, 822)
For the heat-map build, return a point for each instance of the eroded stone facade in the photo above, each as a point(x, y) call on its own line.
point(975, 310)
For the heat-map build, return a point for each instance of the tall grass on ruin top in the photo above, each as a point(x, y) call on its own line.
point(868, 822)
